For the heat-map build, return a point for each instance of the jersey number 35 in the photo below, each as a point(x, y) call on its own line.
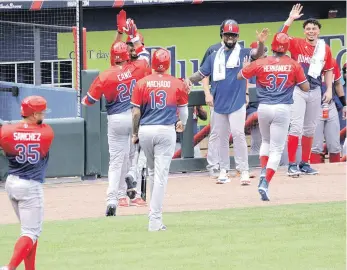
point(28, 153)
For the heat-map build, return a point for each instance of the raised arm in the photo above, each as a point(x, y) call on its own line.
point(294, 14)
point(262, 36)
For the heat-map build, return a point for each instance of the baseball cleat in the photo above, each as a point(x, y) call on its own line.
point(263, 189)
point(161, 228)
point(223, 177)
point(306, 168)
point(293, 170)
point(111, 210)
point(213, 173)
point(122, 202)
point(131, 186)
point(138, 202)
point(245, 179)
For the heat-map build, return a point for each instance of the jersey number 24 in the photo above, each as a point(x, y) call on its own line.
point(123, 93)
point(28, 153)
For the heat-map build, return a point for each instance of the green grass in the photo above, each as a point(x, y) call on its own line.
point(303, 236)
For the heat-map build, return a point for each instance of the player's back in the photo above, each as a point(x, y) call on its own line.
point(118, 83)
point(276, 79)
point(27, 149)
point(161, 94)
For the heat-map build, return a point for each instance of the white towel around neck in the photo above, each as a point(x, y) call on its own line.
point(317, 61)
point(219, 67)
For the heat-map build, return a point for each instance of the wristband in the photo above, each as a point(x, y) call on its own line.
point(343, 100)
point(134, 39)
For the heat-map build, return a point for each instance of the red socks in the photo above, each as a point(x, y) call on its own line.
point(293, 142)
point(21, 250)
point(30, 259)
point(316, 158)
point(263, 161)
point(306, 144)
point(334, 157)
point(269, 174)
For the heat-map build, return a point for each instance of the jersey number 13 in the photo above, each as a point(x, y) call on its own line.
point(158, 99)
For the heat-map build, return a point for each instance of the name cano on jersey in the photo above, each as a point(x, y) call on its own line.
point(159, 84)
point(24, 136)
point(277, 68)
point(125, 75)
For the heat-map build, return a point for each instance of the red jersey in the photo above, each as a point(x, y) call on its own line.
point(158, 96)
point(302, 52)
point(27, 149)
point(116, 84)
point(276, 78)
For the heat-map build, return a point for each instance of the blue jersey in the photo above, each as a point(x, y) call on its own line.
point(229, 95)
point(213, 48)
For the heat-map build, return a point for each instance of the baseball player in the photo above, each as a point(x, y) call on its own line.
point(228, 97)
point(314, 56)
point(156, 99)
point(213, 157)
point(328, 126)
point(116, 84)
point(276, 77)
point(137, 51)
point(27, 145)
point(135, 40)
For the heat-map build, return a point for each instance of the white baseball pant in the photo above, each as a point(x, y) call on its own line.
point(26, 197)
point(328, 129)
point(213, 155)
point(273, 124)
point(234, 123)
point(158, 143)
point(305, 112)
point(256, 144)
point(119, 134)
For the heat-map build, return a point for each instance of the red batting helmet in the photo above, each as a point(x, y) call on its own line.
point(33, 104)
point(280, 43)
point(231, 26)
point(140, 36)
point(119, 52)
point(161, 60)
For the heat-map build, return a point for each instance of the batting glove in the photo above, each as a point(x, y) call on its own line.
point(121, 21)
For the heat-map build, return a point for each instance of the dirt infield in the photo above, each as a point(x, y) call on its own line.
point(190, 192)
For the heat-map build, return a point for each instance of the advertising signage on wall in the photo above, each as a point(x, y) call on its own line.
point(188, 44)
point(39, 4)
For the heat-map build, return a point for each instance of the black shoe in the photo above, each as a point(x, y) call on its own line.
point(131, 187)
point(111, 210)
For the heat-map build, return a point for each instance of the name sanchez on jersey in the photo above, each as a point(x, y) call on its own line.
point(23, 136)
point(276, 68)
point(159, 84)
point(125, 75)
